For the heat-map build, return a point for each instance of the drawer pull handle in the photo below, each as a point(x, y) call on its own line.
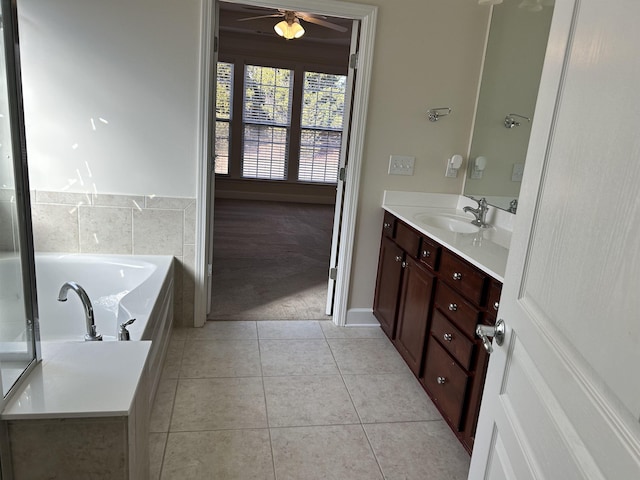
point(447, 337)
point(457, 276)
point(453, 307)
point(398, 258)
point(387, 225)
point(496, 305)
point(441, 380)
point(426, 253)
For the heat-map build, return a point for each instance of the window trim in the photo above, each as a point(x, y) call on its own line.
point(295, 129)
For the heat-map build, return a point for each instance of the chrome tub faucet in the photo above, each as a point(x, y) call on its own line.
point(91, 335)
point(480, 213)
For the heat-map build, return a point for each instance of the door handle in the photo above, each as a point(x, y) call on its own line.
point(496, 331)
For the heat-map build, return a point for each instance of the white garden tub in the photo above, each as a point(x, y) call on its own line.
point(120, 287)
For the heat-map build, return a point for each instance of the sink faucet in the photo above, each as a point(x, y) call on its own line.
point(91, 335)
point(480, 213)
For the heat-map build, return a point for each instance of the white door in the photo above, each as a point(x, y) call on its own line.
point(344, 150)
point(562, 397)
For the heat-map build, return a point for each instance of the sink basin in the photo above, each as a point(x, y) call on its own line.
point(449, 222)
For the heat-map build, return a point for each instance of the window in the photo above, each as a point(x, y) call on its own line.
point(224, 96)
point(266, 119)
point(276, 136)
point(321, 127)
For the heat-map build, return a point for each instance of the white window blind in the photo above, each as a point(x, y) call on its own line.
point(322, 121)
point(267, 118)
point(224, 96)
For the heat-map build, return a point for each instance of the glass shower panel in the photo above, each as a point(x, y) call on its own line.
point(16, 312)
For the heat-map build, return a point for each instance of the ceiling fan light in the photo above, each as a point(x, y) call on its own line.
point(297, 30)
point(281, 27)
point(289, 30)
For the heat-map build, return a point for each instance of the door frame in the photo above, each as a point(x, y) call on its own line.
point(367, 15)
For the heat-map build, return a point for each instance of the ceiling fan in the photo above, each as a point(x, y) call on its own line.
point(290, 26)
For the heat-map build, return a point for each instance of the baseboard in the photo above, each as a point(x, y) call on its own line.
point(360, 317)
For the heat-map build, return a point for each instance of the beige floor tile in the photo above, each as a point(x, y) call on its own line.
point(327, 452)
point(157, 442)
point(418, 450)
point(219, 403)
point(289, 329)
point(175, 351)
point(296, 357)
point(332, 331)
point(223, 455)
point(392, 397)
point(180, 333)
point(308, 400)
point(163, 405)
point(366, 355)
point(220, 330)
point(220, 358)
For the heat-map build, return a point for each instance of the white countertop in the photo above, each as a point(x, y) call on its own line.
point(487, 249)
point(81, 379)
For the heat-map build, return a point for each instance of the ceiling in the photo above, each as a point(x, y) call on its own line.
point(231, 12)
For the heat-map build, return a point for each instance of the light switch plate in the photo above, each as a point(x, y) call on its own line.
point(401, 165)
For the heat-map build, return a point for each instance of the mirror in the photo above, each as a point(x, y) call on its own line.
point(18, 343)
point(508, 90)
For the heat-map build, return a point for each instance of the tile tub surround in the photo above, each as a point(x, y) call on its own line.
point(124, 224)
point(333, 417)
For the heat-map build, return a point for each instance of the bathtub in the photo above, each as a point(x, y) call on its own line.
point(120, 287)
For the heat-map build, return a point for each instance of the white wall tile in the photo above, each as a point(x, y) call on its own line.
point(63, 198)
point(105, 230)
point(55, 228)
point(190, 224)
point(158, 232)
point(174, 203)
point(107, 200)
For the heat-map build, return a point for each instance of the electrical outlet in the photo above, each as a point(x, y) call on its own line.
point(451, 172)
point(401, 165)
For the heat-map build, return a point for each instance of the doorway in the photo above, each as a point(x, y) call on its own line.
point(366, 15)
point(280, 142)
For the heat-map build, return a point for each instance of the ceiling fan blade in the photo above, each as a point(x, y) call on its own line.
point(259, 16)
point(323, 23)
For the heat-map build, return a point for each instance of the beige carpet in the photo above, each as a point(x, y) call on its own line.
point(270, 260)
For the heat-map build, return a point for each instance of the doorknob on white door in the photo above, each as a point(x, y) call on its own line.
point(496, 331)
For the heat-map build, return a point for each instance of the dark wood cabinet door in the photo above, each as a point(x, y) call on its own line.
point(388, 285)
point(413, 313)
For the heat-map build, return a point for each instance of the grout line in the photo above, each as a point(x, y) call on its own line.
point(266, 406)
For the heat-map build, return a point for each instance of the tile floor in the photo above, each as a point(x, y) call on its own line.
point(294, 400)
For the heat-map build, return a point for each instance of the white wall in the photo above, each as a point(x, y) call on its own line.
point(133, 63)
point(428, 53)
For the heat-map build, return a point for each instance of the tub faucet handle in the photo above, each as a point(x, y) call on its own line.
point(123, 333)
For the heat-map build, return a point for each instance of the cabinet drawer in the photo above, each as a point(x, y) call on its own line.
point(493, 300)
point(408, 239)
point(462, 313)
point(388, 225)
point(452, 339)
point(463, 276)
point(429, 253)
point(446, 382)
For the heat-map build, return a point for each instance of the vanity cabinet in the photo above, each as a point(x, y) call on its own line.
point(404, 290)
point(428, 301)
